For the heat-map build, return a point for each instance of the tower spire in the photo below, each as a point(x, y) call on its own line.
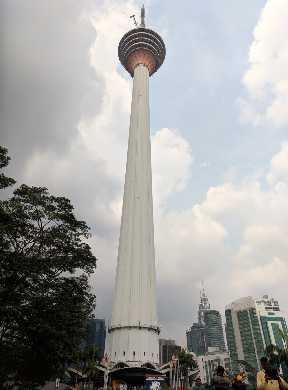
point(204, 303)
point(142, 24)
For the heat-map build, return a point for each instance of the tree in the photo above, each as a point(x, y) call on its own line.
point(186, 364)
point(45, 299)
point(279, 356)
point(4, 161)
point(87, 361)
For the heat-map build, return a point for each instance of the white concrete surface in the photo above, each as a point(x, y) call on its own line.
point(134, 303)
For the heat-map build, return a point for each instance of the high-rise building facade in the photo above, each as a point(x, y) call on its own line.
point(273, 322)
point(244, 333)
point(204, 305)
point(196, 339)
point(96, 336)
point(214, 331)
point(167, 348)
point(134, 330)
point(207, 335)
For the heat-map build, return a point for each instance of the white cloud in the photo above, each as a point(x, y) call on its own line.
point(187, 242)
point(105, 135)
point(278, 173)
point(236, 240)
point(171, 162)
point(266, 80)
point(268, 276)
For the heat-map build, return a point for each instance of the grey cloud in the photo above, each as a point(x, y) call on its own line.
point(46, 81)
point(46, 87)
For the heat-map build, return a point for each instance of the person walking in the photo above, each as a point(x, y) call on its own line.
point(268, 377)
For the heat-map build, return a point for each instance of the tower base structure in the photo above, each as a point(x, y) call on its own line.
point(135, 376)
point(137, 346)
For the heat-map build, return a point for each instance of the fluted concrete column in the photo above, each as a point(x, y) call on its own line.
point(134, 328)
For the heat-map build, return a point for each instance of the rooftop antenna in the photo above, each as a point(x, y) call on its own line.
point(142, 24)
point(202, 288)
point(134, 20)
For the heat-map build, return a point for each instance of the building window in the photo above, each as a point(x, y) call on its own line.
point(152, 354)
point(115, 353)
point(144, 353)
point(134, 354)
point(124, 353)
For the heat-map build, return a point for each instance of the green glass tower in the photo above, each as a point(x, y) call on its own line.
point(273, 322)
point(206, 335)
point(214, 330)
point(244, 333)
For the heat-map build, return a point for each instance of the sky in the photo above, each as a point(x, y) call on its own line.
point(219, 121)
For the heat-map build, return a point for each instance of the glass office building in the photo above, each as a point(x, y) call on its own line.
point(207, 335)
point(244, 333)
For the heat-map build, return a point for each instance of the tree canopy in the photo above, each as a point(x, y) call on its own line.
point(45, 299)
point(4, 161)
point(279, 356)
point(186, 360)
point(186, 365)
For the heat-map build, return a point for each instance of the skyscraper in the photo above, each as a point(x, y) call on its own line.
point(167, 348)
point(207, 335)
point(272, 320)
point(204, 305)
point(214, 331)
point(196, 339)
point(96, 335)
point(244, 333)
point(134, 327)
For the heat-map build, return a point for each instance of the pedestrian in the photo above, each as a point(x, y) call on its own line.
point(268, 378)
point(220, 380)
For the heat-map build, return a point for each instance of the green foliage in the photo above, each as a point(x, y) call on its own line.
point(277, 356)
point(186, 360)
point(186, 363)
point(45, 299)
point(88, 362)
point(4, 160)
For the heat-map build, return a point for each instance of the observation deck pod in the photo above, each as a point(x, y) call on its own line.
point(141, 46)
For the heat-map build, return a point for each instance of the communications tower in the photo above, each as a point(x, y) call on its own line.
point(134, 330)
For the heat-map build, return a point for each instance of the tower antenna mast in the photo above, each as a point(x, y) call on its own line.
point(142, 24)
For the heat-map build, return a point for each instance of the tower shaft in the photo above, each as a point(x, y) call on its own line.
point(134, 329)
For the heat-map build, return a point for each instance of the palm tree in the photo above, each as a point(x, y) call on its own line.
point(186, 365)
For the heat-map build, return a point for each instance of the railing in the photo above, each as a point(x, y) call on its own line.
point(139, 326)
